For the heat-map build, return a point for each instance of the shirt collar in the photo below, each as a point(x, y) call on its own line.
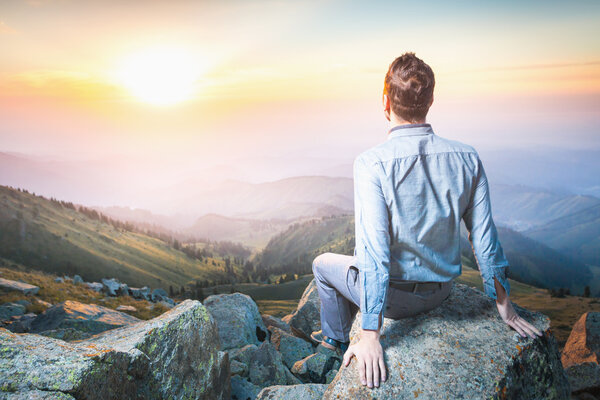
point(410, 129)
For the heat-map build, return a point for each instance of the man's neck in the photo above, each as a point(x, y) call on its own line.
point(394, 122)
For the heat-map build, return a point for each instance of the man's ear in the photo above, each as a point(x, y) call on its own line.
point(386, 106)
point(431, 102)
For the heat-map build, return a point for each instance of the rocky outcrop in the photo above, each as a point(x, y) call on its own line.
point(581, 354)
point(85, 318)
point(307, 317)
point(316, 367)
point(271, 321)
point(238, 320)
point(25, 288)
point(292, 348)
point(462, 349)
point(297, 392)
point(9, 310)
point(173, 356)
point(241, 389)
point(266, 368)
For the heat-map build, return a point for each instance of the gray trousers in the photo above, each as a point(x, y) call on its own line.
point(337, 282)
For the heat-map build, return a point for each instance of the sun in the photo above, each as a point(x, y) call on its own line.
point(159, 75)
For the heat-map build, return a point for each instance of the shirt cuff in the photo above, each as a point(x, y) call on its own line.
point(499, 273)
point(370, 321)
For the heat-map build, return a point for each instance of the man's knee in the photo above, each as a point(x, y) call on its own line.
point(317, 265)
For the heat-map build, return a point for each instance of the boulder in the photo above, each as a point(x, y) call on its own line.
point(238, 320)
point(292, 348)
point(270, 320)
point(88, 318)
point(581, 354)
point(158, 294)
point(238, 368)
point(311, 391)
point(25, 288)
point(243, 354)
point(307, 317)
point(37, 395)
point(123, 307)
point(59, 280)
point(241, 389)
point(23, 302)
point(123, 290)
point(110, 286)
point(20, 323)
point(266, 367)
point(95, 286)
point(174, 355)
point(140, 293)
point(460, 350)
point(77, 279)
point(314, 368)
point(8, 310)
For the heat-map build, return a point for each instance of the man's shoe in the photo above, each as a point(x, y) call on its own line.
point(318, 338)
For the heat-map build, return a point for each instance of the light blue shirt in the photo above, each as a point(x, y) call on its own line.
point(410, 194)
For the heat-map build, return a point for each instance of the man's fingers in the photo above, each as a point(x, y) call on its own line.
point(382, 369)
point(361, 372)
point(533, 328)
point(376, 373)
point(521, 322)
point(369, 365)
point(348, 356)
point(517, 328)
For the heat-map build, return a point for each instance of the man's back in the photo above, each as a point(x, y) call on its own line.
point(429, 184)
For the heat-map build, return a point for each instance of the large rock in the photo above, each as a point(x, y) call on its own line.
point(266, 368)
point(270, 321)
point(8, 310)
point(140, 293)
point(581, 354)
point(95, 286)
point(241, 389)
point(173, 356)
point(315, 367)
point(311, 391)
point(111, 286)
point(25, 288)
point(88, 318)
point(238, 320)
point(77, 279)
point(159, 294)
point(292, 348)
point(461, 350)
point(307, 317)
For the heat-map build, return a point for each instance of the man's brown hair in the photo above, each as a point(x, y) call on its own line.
point(409, 85)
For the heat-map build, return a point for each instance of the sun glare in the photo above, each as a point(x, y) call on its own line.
point(160, 75)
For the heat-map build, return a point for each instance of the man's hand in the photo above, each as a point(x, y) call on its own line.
point(369, 355)
point(510, 316)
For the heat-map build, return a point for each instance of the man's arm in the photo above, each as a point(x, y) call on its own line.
point(484, 236)
point(373, 258)
point(372, 240)
point(493, 265)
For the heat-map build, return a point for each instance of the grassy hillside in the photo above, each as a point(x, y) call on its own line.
point(46, 235)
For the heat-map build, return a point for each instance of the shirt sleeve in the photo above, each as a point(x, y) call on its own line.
point(372, 242)
point(484, 236)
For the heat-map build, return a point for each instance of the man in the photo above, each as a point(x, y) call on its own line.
point(410, 194)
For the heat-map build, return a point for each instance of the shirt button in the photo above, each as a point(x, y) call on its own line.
point(418, 261)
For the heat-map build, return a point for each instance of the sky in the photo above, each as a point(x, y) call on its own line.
point(200, 83)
